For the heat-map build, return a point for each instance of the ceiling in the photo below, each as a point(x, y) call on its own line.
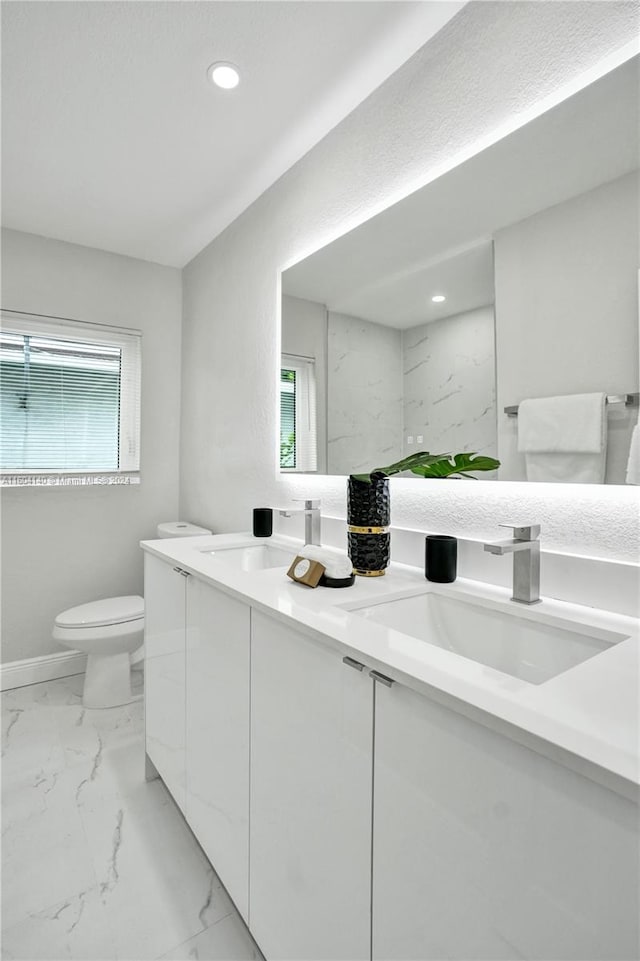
point(403, 299)
point(438, 240)
point(113, 137)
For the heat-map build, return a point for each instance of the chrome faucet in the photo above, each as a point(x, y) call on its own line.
point(525, 547)
point(311, 511)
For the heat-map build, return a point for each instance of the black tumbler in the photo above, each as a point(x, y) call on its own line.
point(440, 558)
point(262, 522)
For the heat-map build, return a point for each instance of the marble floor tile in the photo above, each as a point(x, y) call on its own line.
point(228, 939)
point(97, 862)
point(76, 928)
point(45, 857)
point(157, 886)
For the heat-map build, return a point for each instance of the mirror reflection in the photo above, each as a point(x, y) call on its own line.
point(510, 282)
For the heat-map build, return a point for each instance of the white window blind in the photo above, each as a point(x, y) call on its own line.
point(69, 401)
point(298, 444)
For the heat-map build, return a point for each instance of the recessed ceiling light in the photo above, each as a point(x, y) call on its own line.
point(224, 75)
point(438, 298)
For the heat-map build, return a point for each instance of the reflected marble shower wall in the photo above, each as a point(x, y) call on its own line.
point(364, 395)
point(450, 384)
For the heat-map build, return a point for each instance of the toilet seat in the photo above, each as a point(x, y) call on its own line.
point(108, 632)
point(104, 613)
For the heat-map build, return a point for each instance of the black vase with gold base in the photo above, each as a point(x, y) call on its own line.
point(368, 519)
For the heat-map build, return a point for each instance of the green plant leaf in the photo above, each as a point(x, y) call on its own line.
point(459, 464)
point(420, 459)
point(365, 478)
point(425, 464)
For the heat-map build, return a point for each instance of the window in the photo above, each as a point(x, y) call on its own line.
point(297, 414)
point(69, 402)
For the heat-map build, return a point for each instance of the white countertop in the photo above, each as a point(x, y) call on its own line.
point(584, 717)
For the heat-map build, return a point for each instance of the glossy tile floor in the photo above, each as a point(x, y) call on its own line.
point(97, 862)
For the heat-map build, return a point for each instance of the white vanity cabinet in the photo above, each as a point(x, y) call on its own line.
point(217, 733)
point(483, 848)
point(310, 798)
point(165, 593)
point(353, 818)
point(197, 642)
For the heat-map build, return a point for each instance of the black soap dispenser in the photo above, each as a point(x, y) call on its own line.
point(262, 521)
point(440, 558)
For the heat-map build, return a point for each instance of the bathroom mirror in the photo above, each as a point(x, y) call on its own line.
point(513, 276)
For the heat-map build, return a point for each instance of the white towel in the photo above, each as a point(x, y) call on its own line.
point(336, 563)
point(564, 439)
point(633, 464)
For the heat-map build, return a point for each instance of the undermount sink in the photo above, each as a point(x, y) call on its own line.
point(531, 648)
point(253, 557)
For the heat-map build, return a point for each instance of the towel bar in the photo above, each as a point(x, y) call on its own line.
point(629, 400)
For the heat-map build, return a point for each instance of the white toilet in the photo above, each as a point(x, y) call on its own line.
point(109, 631)
point(181, 529)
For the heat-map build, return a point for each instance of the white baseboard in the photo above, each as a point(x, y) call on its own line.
point(33, 670)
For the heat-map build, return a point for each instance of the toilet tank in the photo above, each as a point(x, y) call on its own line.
point(180, 529)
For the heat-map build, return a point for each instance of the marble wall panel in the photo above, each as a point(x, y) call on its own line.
point(450, 385)
point(364, 408)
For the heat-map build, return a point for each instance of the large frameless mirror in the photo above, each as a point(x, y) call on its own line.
point(510, 279)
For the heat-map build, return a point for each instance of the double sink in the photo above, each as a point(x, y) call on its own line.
point(529, 644)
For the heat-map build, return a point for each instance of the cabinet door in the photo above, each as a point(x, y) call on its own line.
point(164, 665)
point(311, 733)
point(485, 849)
point(218, 639)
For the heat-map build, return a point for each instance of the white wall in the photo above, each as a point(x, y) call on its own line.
point(63, 546)
point(450, 384)
point(364, 402)
point(567, 312)
point(487, 68)
point(304, 332)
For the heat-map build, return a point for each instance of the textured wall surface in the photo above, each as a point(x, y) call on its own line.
point(483, 74)
point(567, 312)
point(63, 546)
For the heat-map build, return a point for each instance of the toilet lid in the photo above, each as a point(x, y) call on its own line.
point(111, 610)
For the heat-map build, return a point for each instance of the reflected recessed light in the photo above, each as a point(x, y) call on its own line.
point(224, 75)
point(438, 298)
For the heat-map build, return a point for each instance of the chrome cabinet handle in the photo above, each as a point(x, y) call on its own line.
point(387, 681)
point(179, 570)
point(356, 665)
